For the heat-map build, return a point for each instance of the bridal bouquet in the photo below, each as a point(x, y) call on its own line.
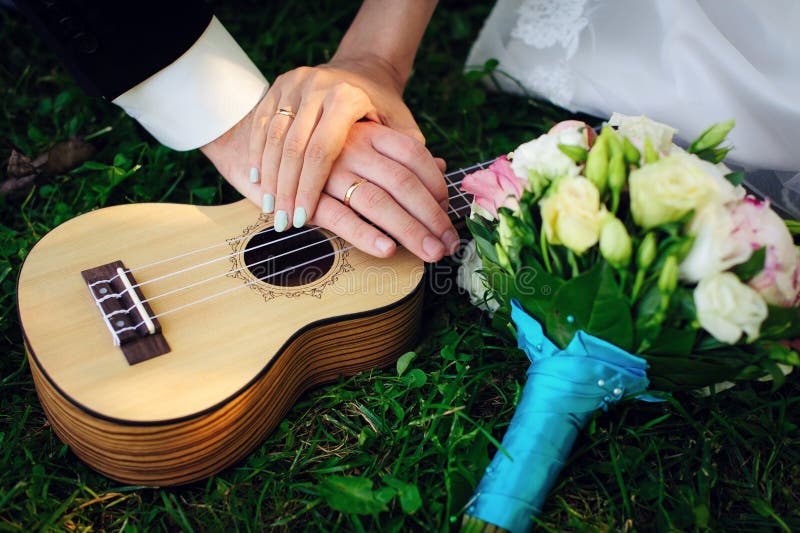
point(627, 265)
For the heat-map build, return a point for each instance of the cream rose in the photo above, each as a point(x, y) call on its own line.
point(573, 214)
point(726, 308)
point(668, 189)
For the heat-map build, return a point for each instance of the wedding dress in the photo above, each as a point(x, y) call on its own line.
point(687, 63)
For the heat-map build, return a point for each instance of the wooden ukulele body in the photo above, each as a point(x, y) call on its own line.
point(241, 349)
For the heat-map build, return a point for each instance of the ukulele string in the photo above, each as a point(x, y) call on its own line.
point(225, 274)
point(237, 287)
point(231, 241)
point(448, 176)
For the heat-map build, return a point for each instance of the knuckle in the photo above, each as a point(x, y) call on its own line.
point(338, 218)
point(275, 137)
point(409, 227)
point(293, 148)
point(317, 153)
point(403, 179)
point(418, 149)
point(362, 233)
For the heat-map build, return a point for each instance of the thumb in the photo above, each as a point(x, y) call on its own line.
point(403, 121)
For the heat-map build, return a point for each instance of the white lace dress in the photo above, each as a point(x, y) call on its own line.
point(688, 63)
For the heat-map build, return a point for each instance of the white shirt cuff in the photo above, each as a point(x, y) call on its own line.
point(201, 95)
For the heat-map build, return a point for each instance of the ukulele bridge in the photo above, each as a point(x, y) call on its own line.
point(125, 312)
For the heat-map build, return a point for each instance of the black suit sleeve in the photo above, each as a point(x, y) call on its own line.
point(110, 46)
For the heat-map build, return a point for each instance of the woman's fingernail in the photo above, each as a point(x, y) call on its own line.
point(433, 247)
point(268, 203)
point(281, 221)
point(299, 219)
point(383, 244)
point(253, 175)
point(450, 240)
point(445, 205)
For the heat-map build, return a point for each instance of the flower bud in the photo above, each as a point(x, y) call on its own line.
point(614, 142)
point(597, 164)
point(502, 258)
point(712, 137)
point(650, 153)
point(616, 172)
point(632, 154)
point(647, 251)
point(668, 279)
point(615, 243)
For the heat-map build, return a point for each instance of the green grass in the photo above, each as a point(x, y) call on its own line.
point(379, 451)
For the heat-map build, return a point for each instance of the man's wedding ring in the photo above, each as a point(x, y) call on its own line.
point(288, 112)
point(351, 190)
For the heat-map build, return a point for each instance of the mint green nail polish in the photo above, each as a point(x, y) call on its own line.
point(299, 217)
point(281, 221)
point(268, 203)
point(253, 175)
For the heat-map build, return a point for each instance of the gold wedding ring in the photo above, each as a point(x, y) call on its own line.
point(351, 190)
point(288, 112)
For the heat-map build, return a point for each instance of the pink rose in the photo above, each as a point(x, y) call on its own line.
point(755, 223)
point(494, 187)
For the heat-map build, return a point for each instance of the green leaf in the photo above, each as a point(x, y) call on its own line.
point(403, 361)
point(794, 226)
point(735, 178)
point(415, 379)
point(410, 499)
point(781, 323)
point(532, 285)
point(594, 303)
point(674, 341)
point(484, 240)
point(352, 495)
point(748, 270)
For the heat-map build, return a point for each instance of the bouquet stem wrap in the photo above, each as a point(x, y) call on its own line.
point(563, 389)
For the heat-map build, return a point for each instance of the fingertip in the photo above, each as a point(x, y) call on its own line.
point(385, 246)
point(441, 164)
point(299, 218)
point(451, 241)
point(268, 203)
point(433, 248)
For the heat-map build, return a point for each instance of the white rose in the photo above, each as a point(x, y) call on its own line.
point(726, 307)
point(473, 281)
point(668, 189)
point(573, 214)
point(641, 128)
point(540, 162)
point(717, 245)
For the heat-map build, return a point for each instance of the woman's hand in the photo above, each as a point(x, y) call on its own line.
point(301, 125)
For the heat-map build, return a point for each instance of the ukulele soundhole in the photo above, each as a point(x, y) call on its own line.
point(289, 259)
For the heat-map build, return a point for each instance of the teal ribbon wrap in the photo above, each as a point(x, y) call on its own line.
point(563, 390)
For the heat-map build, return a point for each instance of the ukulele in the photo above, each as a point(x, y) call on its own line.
point(166, 341)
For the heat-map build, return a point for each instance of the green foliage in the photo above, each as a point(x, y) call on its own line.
point(728, 462)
